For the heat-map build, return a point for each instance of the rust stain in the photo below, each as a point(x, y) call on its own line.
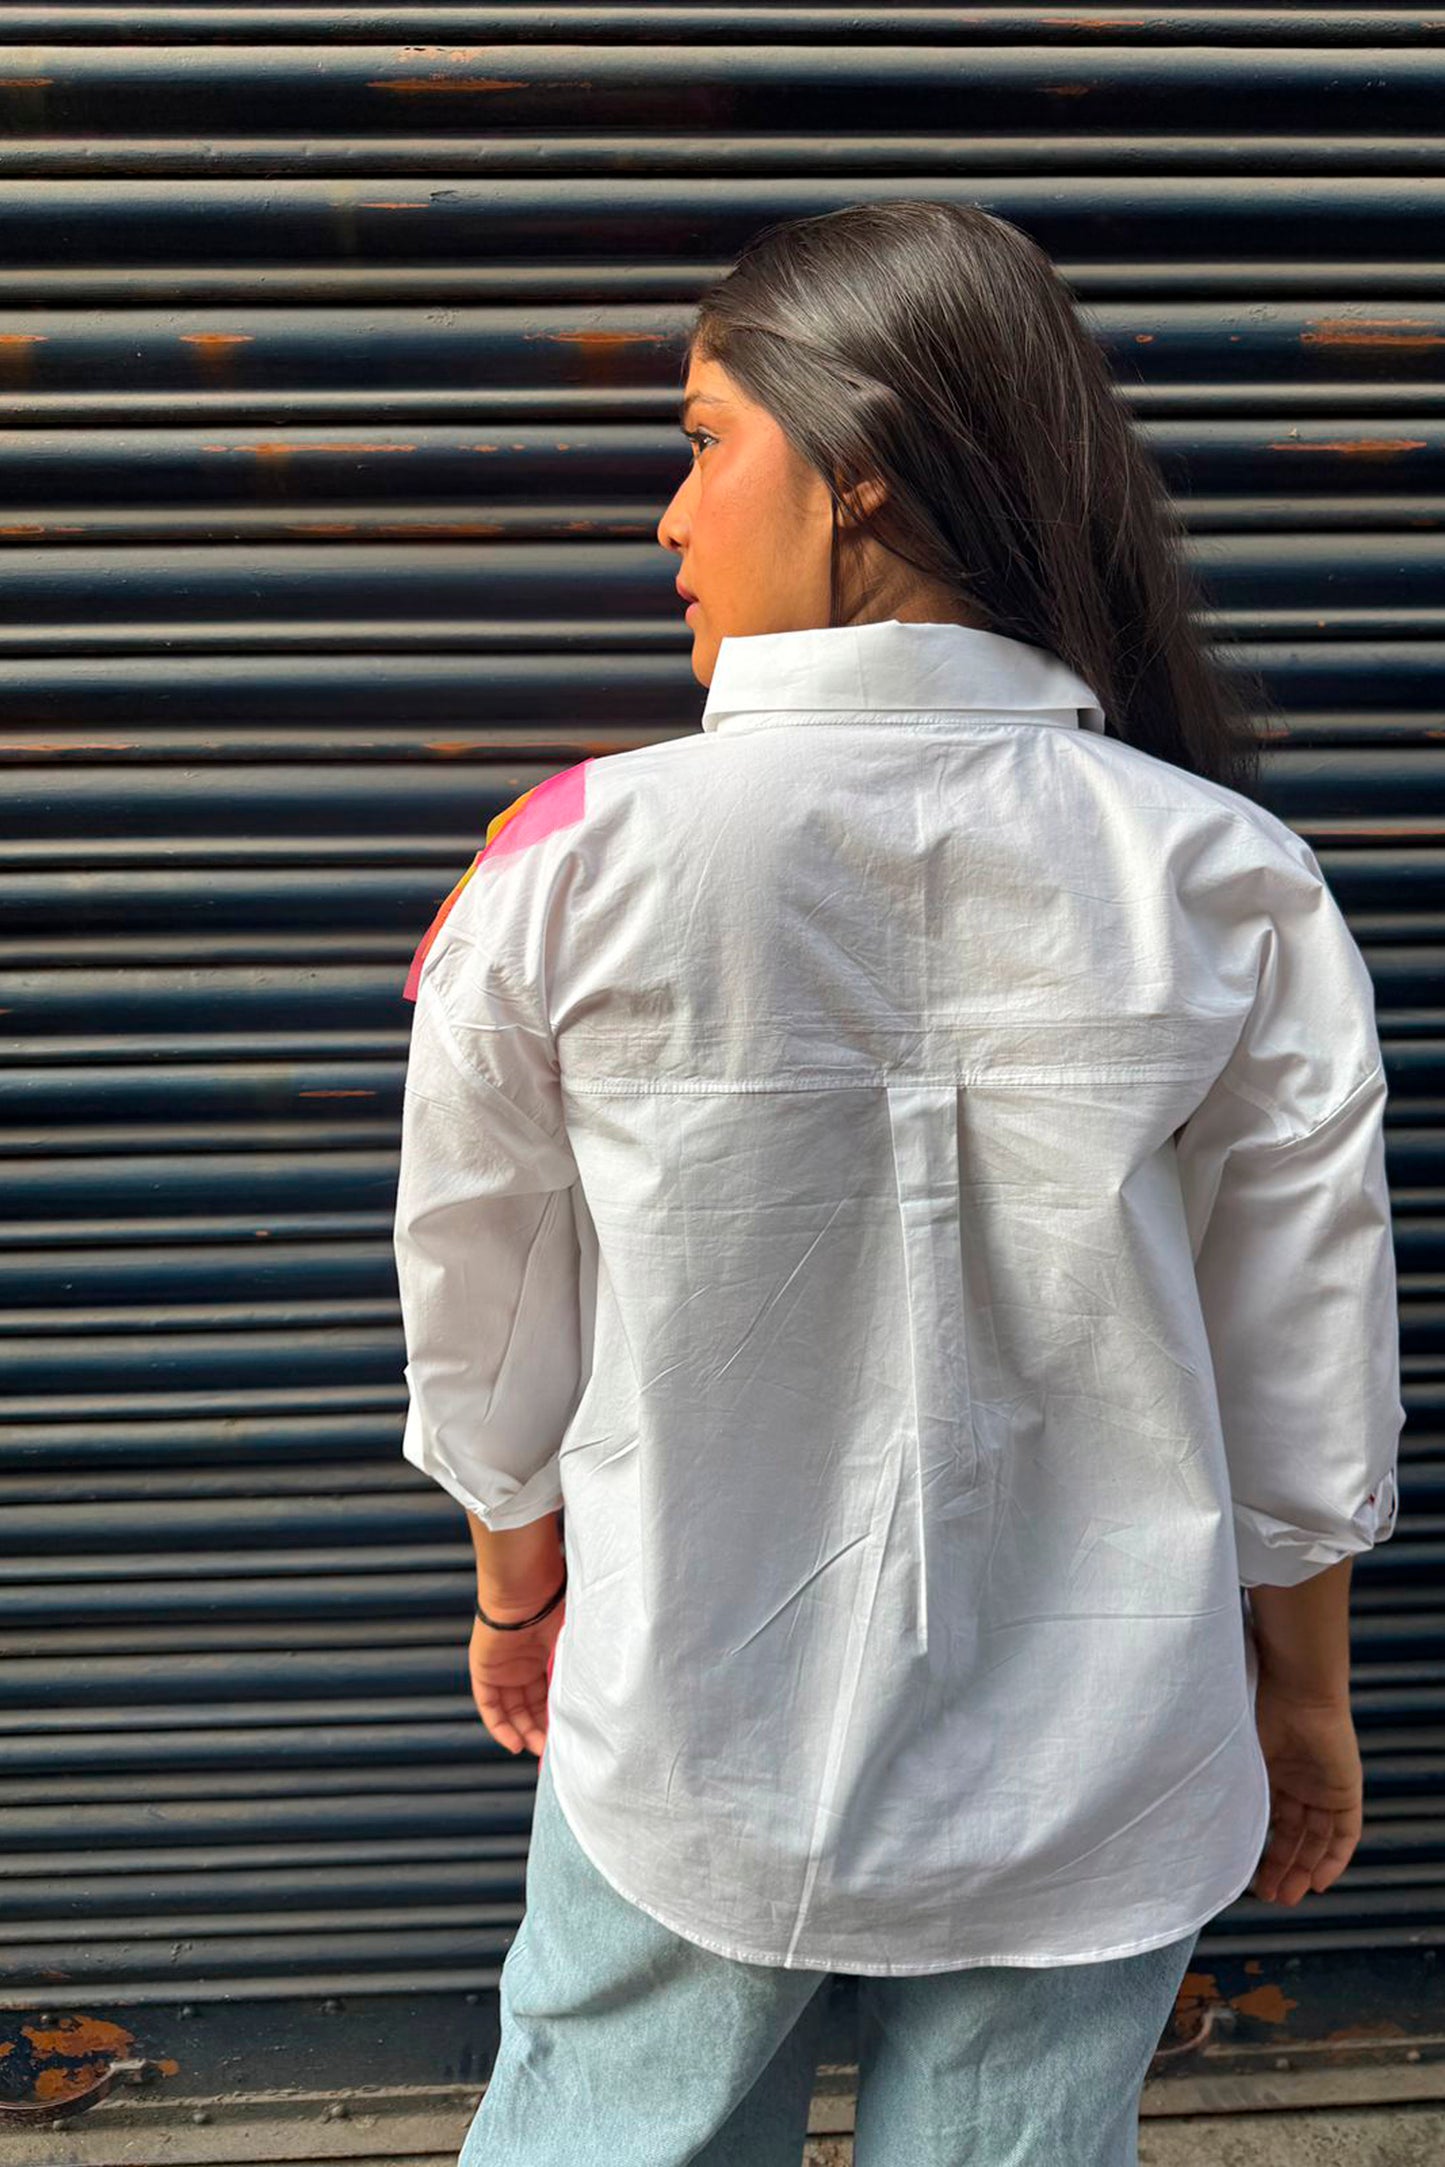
point(1350, 2033)
point(1358, 447)
point(27, 82)
point(211, 340)
point(393, 206)
point(596, 339)
point(445, 529)
point(1254, 1967)
point(1391, 331)
point(279, 449)
point(23, 338)
point(322, 526)
point(31, 529)
point(80, 2035)
point(1144, 338)
point(1269, 2003)
point(75, 744)
point(448, 746)
point(1067, 90)
point(61, 2083)
point(358, 1093)
point(415, 86)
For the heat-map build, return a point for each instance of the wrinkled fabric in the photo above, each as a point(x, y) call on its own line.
point(905, 1170)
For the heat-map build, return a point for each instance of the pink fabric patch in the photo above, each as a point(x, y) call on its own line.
point(554, 804)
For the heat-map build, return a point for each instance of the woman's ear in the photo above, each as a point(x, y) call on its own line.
point(857, 505)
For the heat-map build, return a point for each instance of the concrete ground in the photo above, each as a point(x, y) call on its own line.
point(1298, 2137)
point(1308, 2137)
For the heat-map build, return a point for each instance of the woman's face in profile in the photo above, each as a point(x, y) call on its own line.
point(751, 522)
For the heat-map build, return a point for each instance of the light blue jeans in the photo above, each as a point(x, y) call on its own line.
point(623, 2045)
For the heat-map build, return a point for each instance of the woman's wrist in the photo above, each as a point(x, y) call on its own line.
point(1302, 1638)
point(518, 1568)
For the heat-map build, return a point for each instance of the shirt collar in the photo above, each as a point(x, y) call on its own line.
point(893, 665)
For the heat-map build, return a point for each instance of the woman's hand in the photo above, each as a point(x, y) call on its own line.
point(1316, 1784)
point(511, 1673)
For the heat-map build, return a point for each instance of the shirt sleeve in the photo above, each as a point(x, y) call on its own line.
point(1282, 1169)
point(485, 1234)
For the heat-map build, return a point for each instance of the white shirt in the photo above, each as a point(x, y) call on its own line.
point(905, 1170)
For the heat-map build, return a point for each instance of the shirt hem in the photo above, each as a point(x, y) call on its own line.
point(1030, 1960)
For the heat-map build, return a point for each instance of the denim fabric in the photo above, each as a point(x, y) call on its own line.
point(624, 2045)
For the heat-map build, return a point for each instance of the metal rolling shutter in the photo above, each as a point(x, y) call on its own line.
point(338, 357)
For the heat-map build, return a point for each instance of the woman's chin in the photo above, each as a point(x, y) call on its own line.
point(704, 655)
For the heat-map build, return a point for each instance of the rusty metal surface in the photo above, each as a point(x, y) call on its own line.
point(392, 2077)
point(338, 359)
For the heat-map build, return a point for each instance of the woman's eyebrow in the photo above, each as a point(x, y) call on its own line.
point(697, 398)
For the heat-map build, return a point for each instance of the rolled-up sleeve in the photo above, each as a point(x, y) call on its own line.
point(486, 1246)
point(1284, 1182)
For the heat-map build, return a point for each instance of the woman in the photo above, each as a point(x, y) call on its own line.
point(904, 1167)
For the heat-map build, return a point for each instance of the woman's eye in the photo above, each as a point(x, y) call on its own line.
point(694, 435)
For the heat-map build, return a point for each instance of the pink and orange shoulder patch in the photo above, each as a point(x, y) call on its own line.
point(558, 802)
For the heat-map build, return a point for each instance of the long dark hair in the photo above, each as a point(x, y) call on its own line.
point(936, 347)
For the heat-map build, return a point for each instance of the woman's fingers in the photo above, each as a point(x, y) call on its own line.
point(514, 1714)
point(1309, 1847)
point(1285, 1828)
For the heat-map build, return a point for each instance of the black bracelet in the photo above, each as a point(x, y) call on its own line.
point(517, 1624)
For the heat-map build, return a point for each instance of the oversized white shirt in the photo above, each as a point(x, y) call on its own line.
point(905, 1170)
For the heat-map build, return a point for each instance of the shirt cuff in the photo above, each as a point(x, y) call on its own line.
point(1273, 1553)
point(498, 1500)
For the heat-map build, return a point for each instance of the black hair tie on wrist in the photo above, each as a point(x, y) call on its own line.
point(516, 1625)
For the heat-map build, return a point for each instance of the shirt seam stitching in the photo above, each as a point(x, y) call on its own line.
point(1265, 1105)
point(477, 1075)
